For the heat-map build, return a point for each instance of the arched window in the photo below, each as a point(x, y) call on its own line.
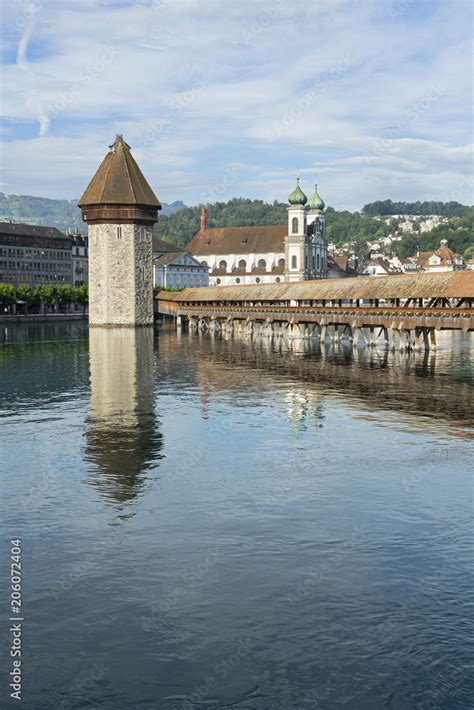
point(237, 280)
point(317, 262)
point(294, 225)
point(257, 280)
point(281, 262)
point(204, 263)
point(294, 262)
point(242, 264)
point(218, 281)
point(262, 264)
point(223, 264)
point(278, 279)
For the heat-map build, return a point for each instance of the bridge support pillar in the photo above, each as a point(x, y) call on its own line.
point(248, 328)
point(390, 335)
point(358, 334)
point(323, 332)
point(372, 337)
point(426, 340)
point(269, 328)
point(212, 327)
point(346, 333)
point(192, 324)
point(405, 341)
point(433, 339)
point(417, 346)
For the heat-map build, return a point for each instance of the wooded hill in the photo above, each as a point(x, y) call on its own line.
point(356, 228)
point(62, 214)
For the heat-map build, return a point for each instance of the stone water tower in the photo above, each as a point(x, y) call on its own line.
point(120, 209)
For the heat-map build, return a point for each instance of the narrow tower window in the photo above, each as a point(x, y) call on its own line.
point(293, 262)
point(294, 225)
point(119, 232)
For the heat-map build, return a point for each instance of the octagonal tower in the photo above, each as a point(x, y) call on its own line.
point(120, 209)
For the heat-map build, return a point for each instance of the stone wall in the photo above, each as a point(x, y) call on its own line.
point(120, 274)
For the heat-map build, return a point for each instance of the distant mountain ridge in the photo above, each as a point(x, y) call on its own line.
point(62, 214)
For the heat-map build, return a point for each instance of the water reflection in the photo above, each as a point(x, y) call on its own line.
point(123, 440)
point(305, 409)
point(436, 385)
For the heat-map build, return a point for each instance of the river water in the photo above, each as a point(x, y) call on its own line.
point(228, 524)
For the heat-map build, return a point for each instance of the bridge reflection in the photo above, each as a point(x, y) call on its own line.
point(123, 440)
point(434, 386)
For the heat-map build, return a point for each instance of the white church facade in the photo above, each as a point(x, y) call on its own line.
point(295, 251)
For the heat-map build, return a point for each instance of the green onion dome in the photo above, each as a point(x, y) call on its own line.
point(316, 202)
point(297, 197)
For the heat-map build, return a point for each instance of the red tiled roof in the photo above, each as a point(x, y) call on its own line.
point(444, 253)
point(239, 240)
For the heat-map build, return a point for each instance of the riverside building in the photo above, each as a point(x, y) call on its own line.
point(34, 255)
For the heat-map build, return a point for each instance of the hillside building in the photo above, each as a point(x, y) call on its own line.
point(341, 266)
point(442, 260)
point(379, 267)
point(295, 251)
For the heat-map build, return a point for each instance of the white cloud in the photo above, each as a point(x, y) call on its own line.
point(368, 94)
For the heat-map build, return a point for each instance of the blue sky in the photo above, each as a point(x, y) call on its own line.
point(221, 99)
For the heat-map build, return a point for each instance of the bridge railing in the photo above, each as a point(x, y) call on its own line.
point(183, 308)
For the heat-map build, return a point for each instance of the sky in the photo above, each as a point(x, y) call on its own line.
point(370, 98)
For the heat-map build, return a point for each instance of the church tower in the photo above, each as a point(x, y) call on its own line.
point(317, 245)
point(296, 239)
point(120, 209)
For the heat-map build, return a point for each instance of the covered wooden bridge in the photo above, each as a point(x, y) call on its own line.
point(405, 311)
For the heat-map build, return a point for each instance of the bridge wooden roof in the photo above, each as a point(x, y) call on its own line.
point(455, 284)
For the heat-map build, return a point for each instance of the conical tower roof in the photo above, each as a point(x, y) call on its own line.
point(119, 181)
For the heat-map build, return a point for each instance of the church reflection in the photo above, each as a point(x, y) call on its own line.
point(123, 441)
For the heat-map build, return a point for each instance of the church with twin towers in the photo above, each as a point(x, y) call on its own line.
point(120, 209)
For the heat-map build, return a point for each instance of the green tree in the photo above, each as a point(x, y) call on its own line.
point(25, 293)
point(469, 253)
point(65, 295)
point(81, 296)
point(45, 295)
point(7, 296)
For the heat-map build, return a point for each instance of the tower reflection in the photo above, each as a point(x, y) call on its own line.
point(123, 441)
